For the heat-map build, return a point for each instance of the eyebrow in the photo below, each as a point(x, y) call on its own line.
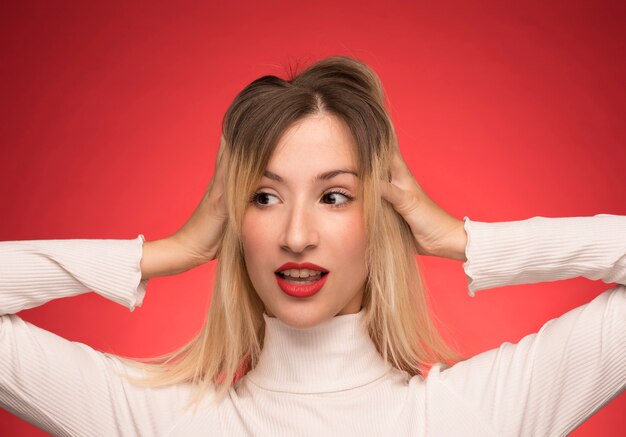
point(320, 177)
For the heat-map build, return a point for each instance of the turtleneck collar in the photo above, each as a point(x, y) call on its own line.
point(335, 355)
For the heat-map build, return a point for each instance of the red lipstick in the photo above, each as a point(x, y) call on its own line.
point(310, 266)
point(304, 289)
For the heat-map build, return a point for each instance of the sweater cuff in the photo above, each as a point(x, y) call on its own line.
point(109, 267)
point(124, 285)
point(140, 289)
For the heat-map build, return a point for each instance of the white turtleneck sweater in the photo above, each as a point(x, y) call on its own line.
point(329, 380)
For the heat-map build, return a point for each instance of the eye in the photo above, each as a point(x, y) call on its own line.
point(341, 193)
point(260, 198)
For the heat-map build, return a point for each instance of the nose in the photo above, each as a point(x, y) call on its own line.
point(300, 230)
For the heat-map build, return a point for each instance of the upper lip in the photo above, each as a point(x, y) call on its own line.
point(299, 266)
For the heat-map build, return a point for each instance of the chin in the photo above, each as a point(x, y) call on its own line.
point(302, 318)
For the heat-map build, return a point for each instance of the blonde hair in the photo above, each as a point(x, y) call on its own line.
point(395, 300)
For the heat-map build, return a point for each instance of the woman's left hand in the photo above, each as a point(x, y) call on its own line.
point(436, 232)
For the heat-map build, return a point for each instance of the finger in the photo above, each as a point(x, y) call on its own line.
point(397, 161)
point(392, 194)
point(221, 150)
point(395, 166)
point(400, 174)
point(402, 204)
point(223, 154)
point(218, 171)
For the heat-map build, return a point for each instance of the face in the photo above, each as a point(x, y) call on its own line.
point(304, 219)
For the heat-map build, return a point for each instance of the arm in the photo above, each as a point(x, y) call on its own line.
point(454, 243)
point(167, 257)
point(196, 243)
point(32, 272)
point(65, 387)
point(552, 381)
point(542, 249)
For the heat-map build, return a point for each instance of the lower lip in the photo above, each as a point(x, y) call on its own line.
point(301, 290)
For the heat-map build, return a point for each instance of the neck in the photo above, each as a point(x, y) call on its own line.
point(335, 355)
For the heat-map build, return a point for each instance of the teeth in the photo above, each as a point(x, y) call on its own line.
point(304, 273)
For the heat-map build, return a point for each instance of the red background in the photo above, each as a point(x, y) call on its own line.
point(111, 118)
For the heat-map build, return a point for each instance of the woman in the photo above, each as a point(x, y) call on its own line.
point(318, 323)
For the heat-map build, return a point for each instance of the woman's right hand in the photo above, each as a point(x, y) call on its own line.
point(199, 240)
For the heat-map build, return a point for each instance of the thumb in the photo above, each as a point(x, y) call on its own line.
point(391, 193)
point(400, 199)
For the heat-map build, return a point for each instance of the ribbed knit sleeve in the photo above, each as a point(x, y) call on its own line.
point(63, 387)
point(549, 382)
point(33, 272)
point(542, 249)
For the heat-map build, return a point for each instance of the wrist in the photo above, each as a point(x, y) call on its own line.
point(190, 256)
point(455, 244)
point(166, 257)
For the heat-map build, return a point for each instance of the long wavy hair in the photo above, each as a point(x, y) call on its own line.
point(396, 303)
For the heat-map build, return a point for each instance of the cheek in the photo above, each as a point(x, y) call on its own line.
point(258, 238)
point(347, 237)
point(253, 235)
point(355, 238)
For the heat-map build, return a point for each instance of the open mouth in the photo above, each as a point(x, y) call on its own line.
point(307, 280)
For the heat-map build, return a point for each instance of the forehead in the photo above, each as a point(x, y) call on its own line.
point(313, 145)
